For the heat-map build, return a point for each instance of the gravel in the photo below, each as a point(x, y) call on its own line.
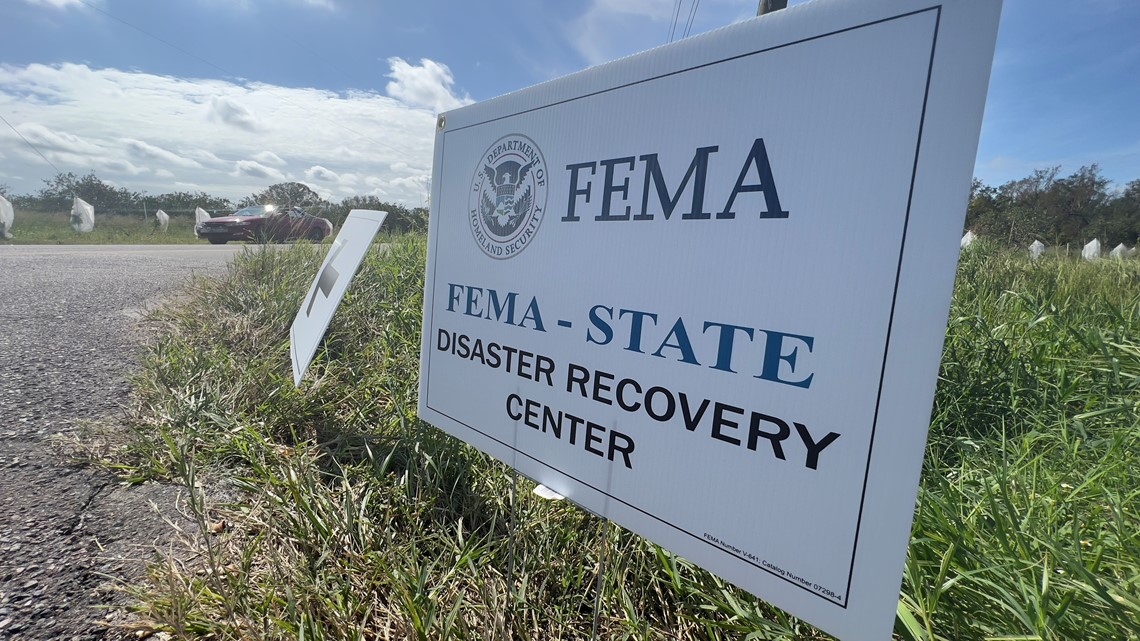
point(70, 534)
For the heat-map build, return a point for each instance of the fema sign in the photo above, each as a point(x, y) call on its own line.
point(702, 291)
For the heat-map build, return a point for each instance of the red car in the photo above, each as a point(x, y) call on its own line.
point(264, 223)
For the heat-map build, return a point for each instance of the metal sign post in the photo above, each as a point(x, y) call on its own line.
point(603, 560)
point(768, 6)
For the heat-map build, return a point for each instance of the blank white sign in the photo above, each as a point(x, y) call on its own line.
point(329, 286)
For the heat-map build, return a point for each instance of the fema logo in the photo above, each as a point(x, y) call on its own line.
point(508, 196)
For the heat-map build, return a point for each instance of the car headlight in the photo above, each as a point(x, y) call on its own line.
point(240, 223)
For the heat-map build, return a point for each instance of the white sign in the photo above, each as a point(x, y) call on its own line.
point(200, 215)
point(1091, 251)
point(7, 218)
point(623, 300)
point(328, 288)
point(163, 219)
point(82, 216)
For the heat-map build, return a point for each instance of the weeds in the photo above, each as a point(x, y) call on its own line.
point(41, 228)
point(357, 521)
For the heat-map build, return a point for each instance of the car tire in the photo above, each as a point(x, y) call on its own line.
point(317, 236)
point(218, 241)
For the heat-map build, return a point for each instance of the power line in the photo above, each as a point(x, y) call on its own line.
point(692, 16)
point(676, 14)
point(232, 74)
point(29, 143)
point(693, 4)
point(151, 35)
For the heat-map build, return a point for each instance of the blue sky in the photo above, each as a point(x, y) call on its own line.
point(341, 94)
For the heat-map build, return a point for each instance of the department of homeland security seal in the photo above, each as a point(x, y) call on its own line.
point(508, 196)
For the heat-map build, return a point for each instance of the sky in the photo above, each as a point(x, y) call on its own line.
point(230, 96)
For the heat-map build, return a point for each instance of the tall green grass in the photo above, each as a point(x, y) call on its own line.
point(41, 228)
point(350, 519)
point(1028, 524)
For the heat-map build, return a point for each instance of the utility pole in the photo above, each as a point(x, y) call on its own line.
point(768, 6)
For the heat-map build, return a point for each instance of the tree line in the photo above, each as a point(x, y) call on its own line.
point(57, 193)
point(1045, 206)
point(1058, 211)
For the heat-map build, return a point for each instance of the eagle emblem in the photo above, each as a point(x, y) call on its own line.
point(504, 203)
point(507, 196)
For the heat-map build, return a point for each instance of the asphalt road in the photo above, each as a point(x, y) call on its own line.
point(68, 340)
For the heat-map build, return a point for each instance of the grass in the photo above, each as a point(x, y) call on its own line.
point(39, 228)
point(351, 519)
point(1027, 524)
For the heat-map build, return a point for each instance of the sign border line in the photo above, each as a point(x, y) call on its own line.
point(894, 302)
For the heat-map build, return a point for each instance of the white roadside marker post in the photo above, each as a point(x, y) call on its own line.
point(7, 218)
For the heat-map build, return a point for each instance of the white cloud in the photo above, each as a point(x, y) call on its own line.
point(269, 158)
point(427, 85)
point(234, 113)
point(206, 158)
point(252, 5)
point(418, 182)
point(46, 139)
point(350, 180)
point(56, 4)
point(418, 185)
point(317, 172)
point(80, 121)
point(120, 166)
point(345, 153)
point(610, 29)
point(65, 148)
point(254, 169)
point(146, 150)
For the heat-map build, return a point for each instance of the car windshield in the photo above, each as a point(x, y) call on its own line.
point(258, 210)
